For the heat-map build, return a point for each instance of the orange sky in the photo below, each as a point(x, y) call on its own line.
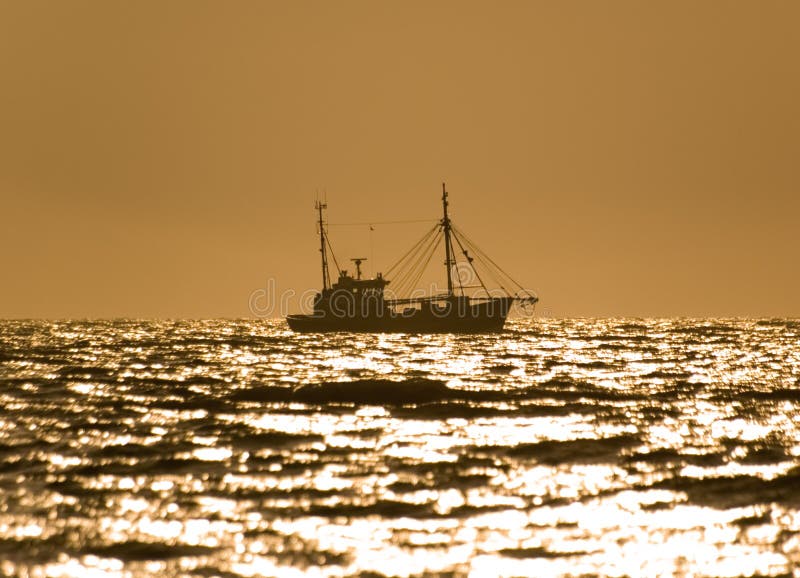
point(160, 159)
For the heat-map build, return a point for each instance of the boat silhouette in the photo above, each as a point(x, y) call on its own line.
point(353, 303)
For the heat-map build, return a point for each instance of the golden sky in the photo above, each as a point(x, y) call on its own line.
point(160, 158)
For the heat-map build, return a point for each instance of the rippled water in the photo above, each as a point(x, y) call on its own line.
point(233, 448)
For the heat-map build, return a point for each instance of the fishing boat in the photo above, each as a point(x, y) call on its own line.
point(354, 303)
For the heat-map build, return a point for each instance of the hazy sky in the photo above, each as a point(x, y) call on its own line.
point(160, 158)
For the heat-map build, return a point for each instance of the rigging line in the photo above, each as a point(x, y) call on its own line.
point(492, 271)
point(427, 261)
point(403, 268)
point(335, 262)
point(370, 223)
point(410, 251)
point(408, 274)
point(509, 277)
point(456, 236)
point(403, 271)
point(413, 249)
point(496, 273)
point(455, 264)
point(519, 291)
point(417, 267)
point(493, 275)
point(422, 266)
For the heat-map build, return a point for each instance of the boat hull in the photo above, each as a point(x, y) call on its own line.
point(484, 317)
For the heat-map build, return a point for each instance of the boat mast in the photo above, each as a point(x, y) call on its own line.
point(447, 250)
point(319, 206)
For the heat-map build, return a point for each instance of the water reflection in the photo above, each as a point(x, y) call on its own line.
point(617, 447)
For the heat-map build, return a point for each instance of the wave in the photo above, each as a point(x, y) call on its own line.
point(421, 390)
point(724, 492)
point(211, 414)
point(554, 452)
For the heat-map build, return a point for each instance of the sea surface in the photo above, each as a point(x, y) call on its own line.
point(614, 447)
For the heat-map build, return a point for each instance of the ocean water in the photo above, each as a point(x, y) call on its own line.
point(558, 447)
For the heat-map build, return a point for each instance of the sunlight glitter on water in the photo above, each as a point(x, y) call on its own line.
point(602, 447)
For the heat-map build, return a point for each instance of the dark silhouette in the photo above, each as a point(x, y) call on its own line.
point(356, 304)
